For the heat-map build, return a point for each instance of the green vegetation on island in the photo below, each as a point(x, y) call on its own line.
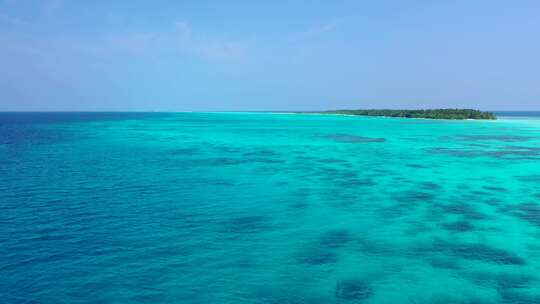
point(430, 114)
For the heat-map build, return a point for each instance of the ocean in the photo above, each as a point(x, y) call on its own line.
point(268, 208)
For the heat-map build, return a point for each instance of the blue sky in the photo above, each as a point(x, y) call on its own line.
point(268, 55)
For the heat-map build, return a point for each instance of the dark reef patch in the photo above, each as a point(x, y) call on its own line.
point(522, 152)
point(318, 256)
point(299, 205)
point(458, 226)
point(499, 138)
point(429, 186)
point(353, 289)
point(347, 138)
point(517, 297)
point(494, 188)
point(358, 182)
point(471, 251)
point(476, 193)
point(466, 210)
point(417, 166)
point(501, 281)
point(454, 152)
point(444, 263)
point(480, 252)
point(529, 178)
point(248, 224)
point(414, 197)
point(493, 202)
point(510, 281)
point(383, 171)
point(511, 288)
point(332, 173)
point(335, 238)
point(529, 212)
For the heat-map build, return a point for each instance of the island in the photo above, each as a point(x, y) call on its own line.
point(428, 113)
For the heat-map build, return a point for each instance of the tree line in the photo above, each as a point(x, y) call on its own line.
point(431, 113)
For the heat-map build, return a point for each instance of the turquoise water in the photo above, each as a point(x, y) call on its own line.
point(267, 208)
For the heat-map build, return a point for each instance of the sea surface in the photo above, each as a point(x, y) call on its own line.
point(268, 208)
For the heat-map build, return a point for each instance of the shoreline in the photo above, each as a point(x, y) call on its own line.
point(439, 114)
point(376, 116)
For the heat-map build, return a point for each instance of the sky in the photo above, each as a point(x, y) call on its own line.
point(75, 55)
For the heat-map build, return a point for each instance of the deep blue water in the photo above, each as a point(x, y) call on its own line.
point(267, 208)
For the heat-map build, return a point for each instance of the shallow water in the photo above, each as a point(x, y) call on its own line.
point(267, 208)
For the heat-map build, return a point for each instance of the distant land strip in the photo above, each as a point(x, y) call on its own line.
point(428, 114)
